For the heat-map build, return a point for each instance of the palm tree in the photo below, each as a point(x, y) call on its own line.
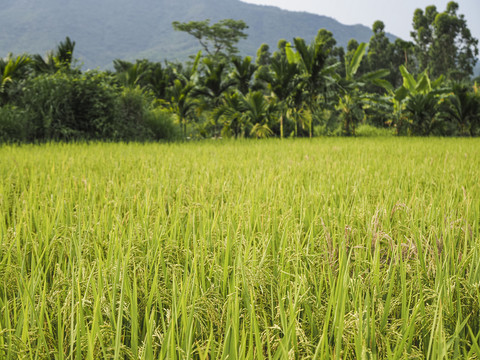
point(60, 59)
point(212, 86)
point(259, 111)
point(232, 111)
point(129, 74)
point(463, 106)
point(316, 74)
point(11, 69)
point(422, 110)
point(182, 103)
point(181, 94)
point(247, 112)
point(243, 73)
point(282, 80)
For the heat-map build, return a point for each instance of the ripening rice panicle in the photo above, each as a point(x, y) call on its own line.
point(331, 248)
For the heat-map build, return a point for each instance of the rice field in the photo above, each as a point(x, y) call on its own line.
point(302, 249)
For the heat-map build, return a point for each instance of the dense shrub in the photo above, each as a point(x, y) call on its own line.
point(140, 118)
point(69, 107)
point(161, 123)
point(12, 124)
point(366, 130)
point(89, 106)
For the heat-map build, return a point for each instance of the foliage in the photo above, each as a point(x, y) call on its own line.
point(13, 125)
point(316, 74)
point(243, 73)
point(417, 104)
point(59, 60)
point(11, 69)
point(90, 106)
point(445, 45)
point(365, 130)
point(64, 107)
point(463, 107)
point(300, 90)
point(218, 40)
point(350, 103)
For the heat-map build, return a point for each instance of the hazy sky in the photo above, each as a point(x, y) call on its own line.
point(397, 15)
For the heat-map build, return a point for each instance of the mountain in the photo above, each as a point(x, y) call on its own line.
point(134, 29)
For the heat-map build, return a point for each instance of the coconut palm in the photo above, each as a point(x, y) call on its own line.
point(11, 69)
point(251, 112)
point(463, 107)
point(60, 59)
point(212, 86)
point(243, 71)
point(282, 80)
point(316, 74)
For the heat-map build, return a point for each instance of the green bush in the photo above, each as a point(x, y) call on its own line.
point(366, 130)
point(161, 124)
point(70, 106)
point(139, 118)
point(90, 106)
point(131, 108)
point(13, 124)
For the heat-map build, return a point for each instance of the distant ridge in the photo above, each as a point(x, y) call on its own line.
point(134, 29)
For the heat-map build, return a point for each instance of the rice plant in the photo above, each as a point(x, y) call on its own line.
point(302, 249)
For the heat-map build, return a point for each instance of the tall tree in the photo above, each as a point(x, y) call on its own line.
point(212, 85)
point(444, 42)
point(219, 39)
point(60, 59)
point(11, 69)
point(282, 81)
point(243, 71)
point(316, 73)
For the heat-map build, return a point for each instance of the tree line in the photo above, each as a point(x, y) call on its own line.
point(300, 89)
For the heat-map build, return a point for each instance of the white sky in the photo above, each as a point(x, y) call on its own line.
point(397, 15)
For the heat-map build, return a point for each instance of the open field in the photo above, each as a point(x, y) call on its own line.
point(326, 249)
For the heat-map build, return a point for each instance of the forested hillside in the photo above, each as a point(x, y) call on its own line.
point(300, 88)
point(131, 29)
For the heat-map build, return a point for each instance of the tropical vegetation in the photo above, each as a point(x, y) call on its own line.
point(298, 90)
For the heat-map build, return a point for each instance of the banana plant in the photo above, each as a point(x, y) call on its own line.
point(416, 102)
point(422, 85)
